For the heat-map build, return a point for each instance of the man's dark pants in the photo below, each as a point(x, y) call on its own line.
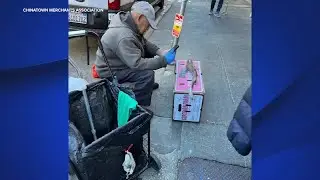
point(213, 2)
point(143, 81)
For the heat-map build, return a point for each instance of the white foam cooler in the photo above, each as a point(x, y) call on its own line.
point(186, 108)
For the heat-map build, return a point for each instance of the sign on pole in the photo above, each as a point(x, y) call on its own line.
point(177, 25)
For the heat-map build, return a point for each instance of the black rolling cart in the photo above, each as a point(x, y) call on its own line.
point(96, 145)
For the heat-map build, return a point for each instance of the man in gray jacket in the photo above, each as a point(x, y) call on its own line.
point(131, 57)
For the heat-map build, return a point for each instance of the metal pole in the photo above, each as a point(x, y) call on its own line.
point(182, 10)
point(88, 52)
point(86, 102)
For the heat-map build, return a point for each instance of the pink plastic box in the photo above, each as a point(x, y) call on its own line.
point(186, 107)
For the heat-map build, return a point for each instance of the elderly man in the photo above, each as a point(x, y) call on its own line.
point(131, 57)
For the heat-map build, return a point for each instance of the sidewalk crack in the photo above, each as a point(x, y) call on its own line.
point(225, 73)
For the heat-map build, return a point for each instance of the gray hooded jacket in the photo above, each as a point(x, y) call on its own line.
point(126, 48)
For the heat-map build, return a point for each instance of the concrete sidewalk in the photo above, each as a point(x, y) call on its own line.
point(224, 48)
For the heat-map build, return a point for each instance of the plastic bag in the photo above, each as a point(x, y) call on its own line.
point(101, 108)
point(76, 147)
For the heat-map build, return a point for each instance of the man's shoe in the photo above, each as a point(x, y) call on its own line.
point(155, 86)
point(216, 14)
point(210, 13)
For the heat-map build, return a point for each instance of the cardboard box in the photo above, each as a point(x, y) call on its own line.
point(186, 108)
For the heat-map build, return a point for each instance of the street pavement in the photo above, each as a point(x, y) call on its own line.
point(223, 45)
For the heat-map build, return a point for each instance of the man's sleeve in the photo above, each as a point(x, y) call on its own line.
point(151, 49)
point(239, 130)
point(130, 54)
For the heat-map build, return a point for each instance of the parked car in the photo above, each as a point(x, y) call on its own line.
point(96, 14)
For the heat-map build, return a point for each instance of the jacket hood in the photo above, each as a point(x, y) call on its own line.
point(124, 20)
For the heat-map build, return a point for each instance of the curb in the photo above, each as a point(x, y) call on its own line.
point(165, 10)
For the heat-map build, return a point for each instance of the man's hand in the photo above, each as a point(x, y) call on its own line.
point(170, 56)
